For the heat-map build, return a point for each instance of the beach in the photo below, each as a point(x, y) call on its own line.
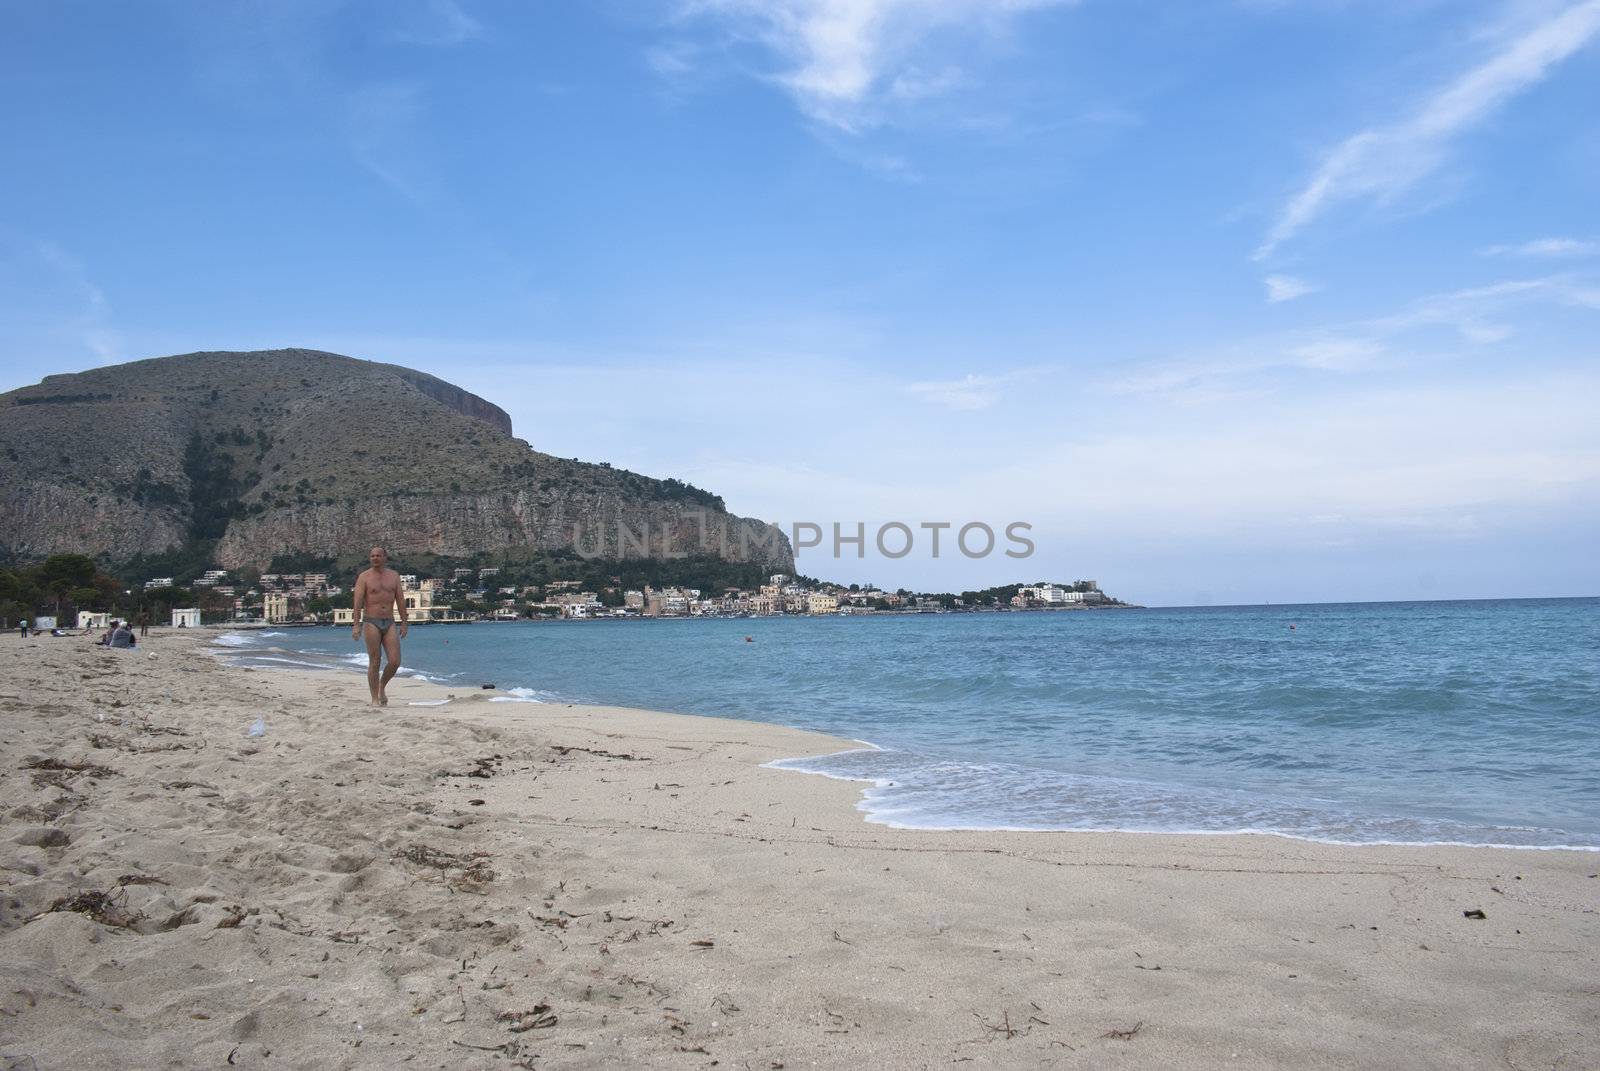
point(478, 884)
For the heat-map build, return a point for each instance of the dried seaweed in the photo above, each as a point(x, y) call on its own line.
point(539, 1017)
point(560, 750)
point(1124, 1035)
point(471, 869)
point(103, 906)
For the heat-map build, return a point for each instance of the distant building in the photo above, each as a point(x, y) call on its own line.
point(668, 603)
point(158, 582)
point(275, 608)
point(821, 603)
point(186, 618)
point(92, 619)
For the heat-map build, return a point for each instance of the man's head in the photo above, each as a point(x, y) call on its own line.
point(378, 557)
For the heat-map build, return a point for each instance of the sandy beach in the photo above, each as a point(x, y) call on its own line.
point(480, 884)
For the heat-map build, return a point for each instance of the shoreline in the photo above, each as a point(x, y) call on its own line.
point(362, 887)
point(868, 783)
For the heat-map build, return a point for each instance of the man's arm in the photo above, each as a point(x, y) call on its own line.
point(360, 598)
point(400, 605)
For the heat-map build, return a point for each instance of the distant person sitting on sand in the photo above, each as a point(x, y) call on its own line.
point(378, 597)
point(123, 636)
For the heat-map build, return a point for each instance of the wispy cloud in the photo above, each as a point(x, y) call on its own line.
point(1552, 248)
point(1481, 316)
point(436, 22)
point(1385, 161)
point(91, 321)
point(382, 120)
point(842, 59)
point(970, 393)
point(1287, 288)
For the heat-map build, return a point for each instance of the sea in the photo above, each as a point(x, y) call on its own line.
point(1474, 722)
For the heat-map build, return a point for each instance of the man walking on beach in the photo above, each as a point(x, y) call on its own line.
point(378, 597)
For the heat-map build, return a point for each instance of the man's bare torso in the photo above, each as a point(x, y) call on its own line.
point(377, 591)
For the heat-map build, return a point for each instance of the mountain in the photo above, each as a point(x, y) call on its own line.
point(246, 456)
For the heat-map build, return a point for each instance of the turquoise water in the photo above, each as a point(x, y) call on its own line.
point(1459, 722)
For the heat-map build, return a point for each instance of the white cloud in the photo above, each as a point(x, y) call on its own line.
point(1546, 247)
point(967, 394)
point(1481, 315)
point(1287, 288)
point(1382, 162)
point(437, 22)
point(89, 323)
point(382, 119)
point(1337, 354)
point(838, 58)
point(1478, 313)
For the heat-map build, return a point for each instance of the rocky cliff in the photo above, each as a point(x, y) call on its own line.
point(256, 454)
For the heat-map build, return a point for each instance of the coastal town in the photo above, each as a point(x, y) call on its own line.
point(480, 595)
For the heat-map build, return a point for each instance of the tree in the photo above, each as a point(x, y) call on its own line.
point(63, 574)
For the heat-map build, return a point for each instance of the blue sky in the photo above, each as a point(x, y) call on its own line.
point(1255, 300)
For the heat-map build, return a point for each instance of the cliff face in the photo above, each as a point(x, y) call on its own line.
point(284, 450)
point(600, 525)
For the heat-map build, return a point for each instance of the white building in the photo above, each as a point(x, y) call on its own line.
point(275, 607)
point(186, 618)
point(158, 582)
point(91, 619)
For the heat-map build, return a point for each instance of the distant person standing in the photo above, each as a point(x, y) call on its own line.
point(144, 625)
point(378, 601)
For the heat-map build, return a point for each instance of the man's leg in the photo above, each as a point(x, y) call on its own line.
point(369, 632)
point(391, 647)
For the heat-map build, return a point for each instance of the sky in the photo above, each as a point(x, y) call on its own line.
point(1239, 301)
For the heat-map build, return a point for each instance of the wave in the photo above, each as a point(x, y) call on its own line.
point(233, 639)
point(523, 695)
point(907, 790)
